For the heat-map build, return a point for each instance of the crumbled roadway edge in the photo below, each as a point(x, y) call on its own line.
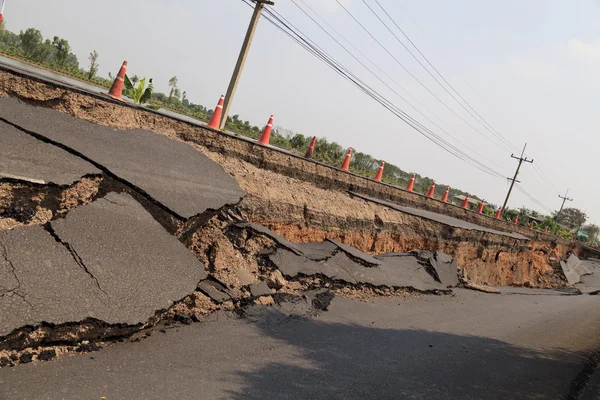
point(101, 305)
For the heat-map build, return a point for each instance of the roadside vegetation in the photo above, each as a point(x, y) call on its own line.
point(56, 54)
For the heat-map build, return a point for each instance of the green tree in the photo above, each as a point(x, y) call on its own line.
point(363, 162)
point(2, 30)
point(571, 217)
point(62, 50)
point(30, 40)
point(93, 64)
point(592, 230)
point(299, 141)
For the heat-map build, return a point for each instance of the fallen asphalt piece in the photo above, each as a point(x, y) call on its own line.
point(108, 260)
point(574, 269)
point(293, 247)
point(445, 267)
point(590, 284)
point(318, 251)
point(393, 272)
point(25, 158)
point(260, 289)
point(40, 281)
point(214, 290)
point(136, 262)
point(292, 265)
point(357, 254)
point(172, 173)
point(450, 221)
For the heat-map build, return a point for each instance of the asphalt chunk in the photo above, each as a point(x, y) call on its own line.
point(40, 281)
point(445, 268)
point(23, 157)
point(172, 173)
point(214, 290)
point(138, 265)
point(353, 252)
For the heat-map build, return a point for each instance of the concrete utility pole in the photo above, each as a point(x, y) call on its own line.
point(239, 66)
point(565, 198)
point(521, 159)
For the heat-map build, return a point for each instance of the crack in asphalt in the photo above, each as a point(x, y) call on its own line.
point(14, 290)
point(74, 254)
point(96, 164)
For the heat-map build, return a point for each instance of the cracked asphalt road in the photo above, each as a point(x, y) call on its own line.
point(471, 346)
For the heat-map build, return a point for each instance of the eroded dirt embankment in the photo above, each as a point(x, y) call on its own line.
point(308, 205)
point(110, 113)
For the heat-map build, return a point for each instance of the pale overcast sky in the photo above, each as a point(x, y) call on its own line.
point(529, 67)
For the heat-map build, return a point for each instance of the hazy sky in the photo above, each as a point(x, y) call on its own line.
point(529, 67)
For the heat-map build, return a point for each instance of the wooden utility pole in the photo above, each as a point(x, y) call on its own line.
point(514, 179)
point(565, 198)
point(239, 66)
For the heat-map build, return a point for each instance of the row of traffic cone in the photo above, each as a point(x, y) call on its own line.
point(116, 93)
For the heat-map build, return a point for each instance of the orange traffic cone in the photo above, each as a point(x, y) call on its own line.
point(498, 213)
point(311, 148)
point(431, 190)
point(411, 183)
point(215, 120)
point(446, 194)
point(465, 203)
point(346, 162)
point(266, 135)
point(379, 173)
point(116, 91)
point(480, 209)
point(531, 225)
point(546, 230)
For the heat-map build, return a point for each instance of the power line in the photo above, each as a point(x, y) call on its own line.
point(383, 72)
point(481, 120)
point(533, 199)
point(279, 22)
point(412, 75)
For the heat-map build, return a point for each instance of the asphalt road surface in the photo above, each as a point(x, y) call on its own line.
point(468, 346)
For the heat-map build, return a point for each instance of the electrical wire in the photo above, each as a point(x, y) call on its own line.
point(284, 25)
point(382, 81)
point(287, 28)
point(533, 199)
point(412, 75)
point(468, 107)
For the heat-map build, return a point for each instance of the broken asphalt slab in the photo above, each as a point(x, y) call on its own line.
point(318, 251)
point(357, 254)
point(445, 268)
point(293, 247)
point(574, 269)
point(42, 282)
point(446, 220)
point(23, 157)
point(392, 272)
point(108, 260)
point(214, 290)
point(172, 173)
point(136, 262)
